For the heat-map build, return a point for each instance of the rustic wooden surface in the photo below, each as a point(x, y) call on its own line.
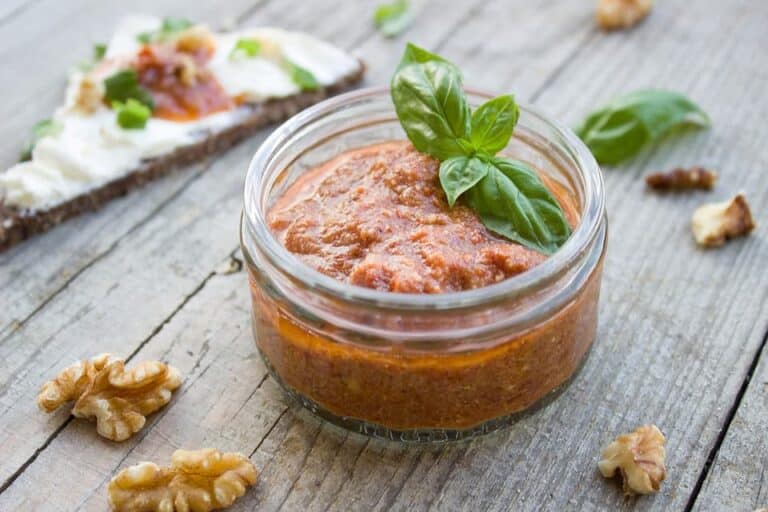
point(682, 332)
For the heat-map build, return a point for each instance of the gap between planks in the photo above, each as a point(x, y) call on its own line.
point(726, 425)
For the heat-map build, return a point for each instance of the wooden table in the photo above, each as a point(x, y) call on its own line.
point(157, 274)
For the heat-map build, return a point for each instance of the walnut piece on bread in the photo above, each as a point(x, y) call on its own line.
point(682, 179)
point(621, 14)
point(639, 458)
point(119, 399)
point(715, 223)
point(89, 95)
point(197, 38)
point(199, 480)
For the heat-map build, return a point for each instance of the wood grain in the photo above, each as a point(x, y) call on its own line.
point(680, 328)
point(738, 479)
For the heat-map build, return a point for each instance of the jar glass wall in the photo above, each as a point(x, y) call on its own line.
point(421, 367)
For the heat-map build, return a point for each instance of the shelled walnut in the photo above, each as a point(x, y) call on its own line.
point(119, 399)
point(620, 14)
point(713, 224)
point(199, 480)
point(639, 456)
point(682, 179)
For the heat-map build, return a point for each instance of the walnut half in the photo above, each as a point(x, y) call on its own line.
point(620, 14)
point(199, 480)
point(639, 456)
point(119, 399)
point(713, 224)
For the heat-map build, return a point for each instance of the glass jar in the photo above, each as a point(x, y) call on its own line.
point(421, 367)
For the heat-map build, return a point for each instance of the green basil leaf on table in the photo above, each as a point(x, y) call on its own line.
point(493, 123)
point(392, 18)
point(433, 110)
point(508, 196)
point(460, 173)
point(44, 128)
point(512, 201)
point(619, 130)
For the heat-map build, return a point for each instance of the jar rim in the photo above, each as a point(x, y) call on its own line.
point(581, 239)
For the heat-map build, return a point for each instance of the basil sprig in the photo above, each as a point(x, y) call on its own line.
point(507, 194)
point(619, 130)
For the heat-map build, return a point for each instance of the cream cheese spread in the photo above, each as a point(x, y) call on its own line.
point(91, 149)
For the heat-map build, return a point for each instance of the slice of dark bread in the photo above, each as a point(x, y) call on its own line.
point(16, 225)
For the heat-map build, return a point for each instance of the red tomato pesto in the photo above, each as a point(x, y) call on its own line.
point(182, 88)
point(378, 217)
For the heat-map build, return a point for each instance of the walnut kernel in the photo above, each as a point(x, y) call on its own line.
point(619, 14)
point(199, 480)
point(89, 95)
point(639, 456)
point(682, 179)
point(713, 224)
point(194, 39)
point(119, 399)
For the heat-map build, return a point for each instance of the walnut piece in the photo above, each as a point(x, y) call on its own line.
point(89, 95)
point(620, 14)
point(639, 457)
point(682, 179)
point(199, 480)
point(713, 224)
point(197, 38)
point(119, 399)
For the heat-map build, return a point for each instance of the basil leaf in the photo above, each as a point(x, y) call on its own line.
point(433, 111)
point(619, 130)
point(301, 76)
point(124, 85)
point(44, 128)
point(512, 201)
point(392, 18)
point(131, 115)
point(171, 24)
point(493, 123)
point(99, 50)
point(416, 55)
point(246, 47)
point(145, 37)
point(460, 173)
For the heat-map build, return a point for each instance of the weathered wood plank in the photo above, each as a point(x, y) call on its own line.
point(219, 362)
point(675, 339)
point(147, 274)
point(35, 44)
point(738, 478)
point(105, 293)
